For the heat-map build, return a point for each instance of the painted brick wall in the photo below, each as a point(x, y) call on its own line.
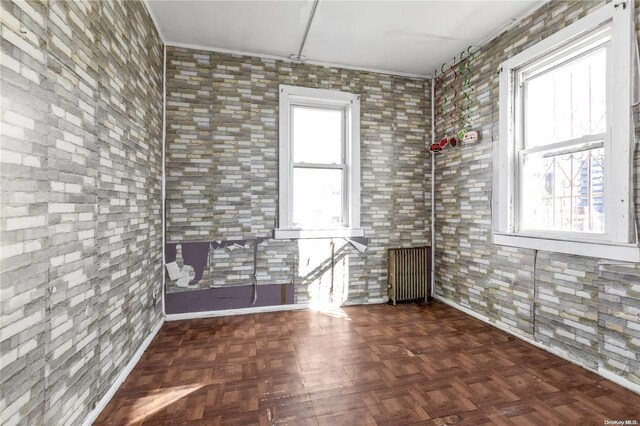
point(580, 306)
point(81, 201)
point(222, 169)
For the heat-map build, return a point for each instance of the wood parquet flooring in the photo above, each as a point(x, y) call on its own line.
point(412, 364)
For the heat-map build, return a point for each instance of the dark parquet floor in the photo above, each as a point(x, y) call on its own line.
point(363, 365)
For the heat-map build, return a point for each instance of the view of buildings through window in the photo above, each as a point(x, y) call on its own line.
point(562, 159)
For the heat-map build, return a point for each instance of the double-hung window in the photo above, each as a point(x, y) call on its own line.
point(561, 144)
point(319, 182)
point(563, 175)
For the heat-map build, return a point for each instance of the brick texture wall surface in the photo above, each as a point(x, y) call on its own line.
point(222, 170)
point(81, 201)
point(579, 306)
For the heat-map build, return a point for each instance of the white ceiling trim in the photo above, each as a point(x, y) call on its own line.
point(508, 25)
point(501, 30)
point(155, 20)
point(289, 60)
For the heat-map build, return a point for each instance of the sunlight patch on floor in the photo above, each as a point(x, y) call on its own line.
point(157, 400)
point(332, 310)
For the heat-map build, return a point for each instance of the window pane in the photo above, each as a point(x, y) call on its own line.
point(567, 102)
point(317, 197)
point(564, 192)
point(317, 135)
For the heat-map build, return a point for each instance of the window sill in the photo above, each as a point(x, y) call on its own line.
point(622, 252)
point(289, 234)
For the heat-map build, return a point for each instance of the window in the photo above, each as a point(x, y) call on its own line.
point(319, 182)
point(561, 152)
point(563, 170)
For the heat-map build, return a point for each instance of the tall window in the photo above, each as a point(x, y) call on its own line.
point(561, 146)
point(319, 164)
point(563, 165)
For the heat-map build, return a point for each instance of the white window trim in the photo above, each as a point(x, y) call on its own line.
point(621, 235)
point(292, 95)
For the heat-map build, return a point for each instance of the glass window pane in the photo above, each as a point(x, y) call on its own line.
point(317, 197)
point(317, 135)
point(567, 102)
point(564, 192)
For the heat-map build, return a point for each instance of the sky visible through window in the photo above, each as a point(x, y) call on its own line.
point(317, 186)
point(564, 190)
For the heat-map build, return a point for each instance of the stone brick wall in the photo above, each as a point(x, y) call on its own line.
point(81, 201)
point(579, 306)
point(222, 170)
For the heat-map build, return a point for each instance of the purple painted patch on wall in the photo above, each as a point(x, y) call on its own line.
point(215, 299)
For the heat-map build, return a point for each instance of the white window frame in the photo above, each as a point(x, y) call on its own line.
point(307, 97)
point(619, 242)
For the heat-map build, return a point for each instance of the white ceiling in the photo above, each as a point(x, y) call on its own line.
point(403, 37)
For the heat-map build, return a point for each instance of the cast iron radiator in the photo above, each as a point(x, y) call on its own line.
point(409, 273)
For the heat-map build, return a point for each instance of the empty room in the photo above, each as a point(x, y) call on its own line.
point(319, 212)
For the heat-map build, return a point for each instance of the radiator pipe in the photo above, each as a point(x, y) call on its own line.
point(333, 253)
point(433, 196)
point(164, 178)
point(254, 276)
point(306, 30)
